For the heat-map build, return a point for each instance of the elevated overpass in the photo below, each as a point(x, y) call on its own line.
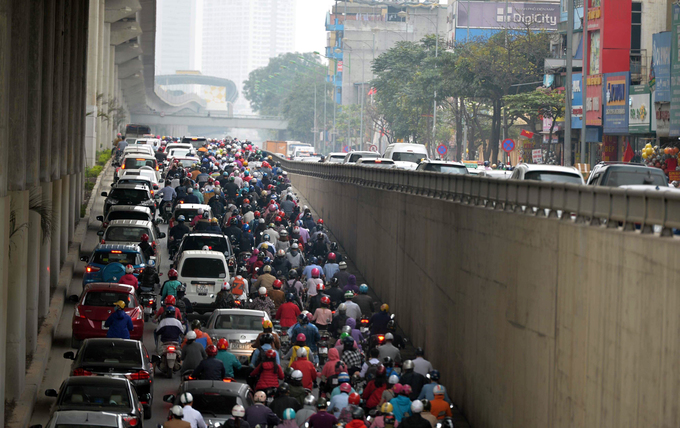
point(535, 320)
point(213, 119)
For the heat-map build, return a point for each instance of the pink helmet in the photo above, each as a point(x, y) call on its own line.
point(315, 273)
point(301, 337)
point(272, 208)
point(345, 387)
point(256, 252)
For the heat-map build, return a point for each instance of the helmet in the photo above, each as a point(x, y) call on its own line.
point(226, 286)
point(342, 307)
point(177, 411)
point(302, 319)
point(262, 291)
point(295, 246)
point(284, 388)
point(181, 218)
point(398, 388)
point(267, 324)
point(347, 329)
point(349, 294)
point(325, 300)
point(345, 387)
point(290, 297)
point(200, 211)
point(144, 237)
point(129, 269)
point(246, 228)
point(270, 354)
point(233, 221)
point(260, 397)
point(288, 414)
point(420, 351)
point(169, 310)
point(170, 300)
point(206, 214)
point(297, 375)
point(393, 380)
point(354, 398)
point(172, 274)
point(434, 375)
point(331, 257)
point(439, 389)
point(195, 325)
point(256, 252)
point(322, 403)
point(408, 365)
point(280, 253)
point(342, 265)
point(385, 307)
point(277, 284)
point(315, 273)
point(119, 304)
point(363, 289)
point(343, 377)
point(267, 338)
point(386, 408)
point(358, 413)
point(417, 406)
point(348, 340)
point(267, 268)
point(406, 390)
point(302, 353)
point(301, 337)
point(388, 361)
point(257, 214)
point(381, 370)
point(447, 422)
point(389, 419)
point(310, 400)
point(389, 336)
point(211, 350)
point(238, 411)
point(191, 335)
point(314, 260)
point(186, 398)
point(320, 287)
point(222, 344)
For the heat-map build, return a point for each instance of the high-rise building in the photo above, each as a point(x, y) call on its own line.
point(175, 36)
point(241, 35)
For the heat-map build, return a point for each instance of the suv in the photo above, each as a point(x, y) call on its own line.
point(214, 241)
point(335, 157)
point(443, 167)
point(129, 194)
point(354, 156)
point(129, 232)
point(376, 162)
point(204, 273)
point(549, 173)
point(406, 155)
point(613, 174)
point(114, 255)
point(125, 212)
point(189, 211)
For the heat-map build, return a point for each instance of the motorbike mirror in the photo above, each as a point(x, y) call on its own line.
point(170, 398)
point(159, 220)
point(160, 273)
point(51, 393)
point(155, 359)
point(69, 355)
point(392, 316)
point(73, 298)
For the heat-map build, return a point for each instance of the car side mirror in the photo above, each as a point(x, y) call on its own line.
point(155, 187)
point(159, 221)
point(51, 393)
point(100, 218)
point(156, 359)
point(161, 235)
point(100, 232)
point(84, 259)
point(69, 355)
point(73, 298)
point(170, 398)
point(104, 194)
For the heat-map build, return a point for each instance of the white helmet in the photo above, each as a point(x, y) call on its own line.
point(238, 411)
point(205, 248)
point(262, 291)
point(129, 269)
point(302, 353)
point(186, 397)
point(177, 411)
point(297, 374)
point(260, 397)
point(191, 335)
point(393, 380)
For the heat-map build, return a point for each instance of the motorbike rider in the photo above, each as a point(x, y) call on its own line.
point(307, 411)
point(310, 331)
point(176, 233)
point(352, 357)
point(176, 415)
point(428, 390)
point(268, 372)
point(234, 231)
point(168, 194)
point(331, 267)
point(341, 400)
point(379, 320)
point(169, 301)
point(284, 401)
point(401, 402)
point(297, 391)
point(340, 320)
point(288, 312)
point(294, 256)
point(119, 323)
point(351, 285)
point(341, 277)
point(313, 264)
point(191, 415)
point(364, 301)
point(267, 344)
point(268, 328)
point(421, 365)
point(315, 301)
point(211, 368)
point(224, 299)
point(203, 222)
point(427, 414)
point(201, 336)
point(388, 349)
point(192, 353)
point(263, 303)
point(306, 367)
point(322, 418)
point(170, 329)
point(323, 316)
point(169, 287)
point(265, 280)
point(147, 249)
point(439, 407)
point(353, 415)
point(353, 310)
point(379, 419)
point(277, 295)
point(284, 241)
point(129, 278)
point(281, 265)
point(231, 363)
point(410, 377)
point(416, 420)
point(239, 287)
point(398, 341)
point(148, 279)
point(300, 345)
point(259, 414)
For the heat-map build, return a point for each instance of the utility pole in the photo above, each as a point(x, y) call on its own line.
point(584, 73)
point(315, 133)
point(568, 85)
point(436, 55)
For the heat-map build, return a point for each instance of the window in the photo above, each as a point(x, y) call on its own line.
point(203, 268)
point(125, 234)
point(95, 396)
point(636, 28)
point(136, 163)
point(553, 177)
point(408, 157)
point(446, 169)
point(107, 298)
point(112, 352)
point(214, 243)
point(134, 196)
point(239, 322)
point(631, 176)
point(214, 402)
point(128, 215)
point(105, 257)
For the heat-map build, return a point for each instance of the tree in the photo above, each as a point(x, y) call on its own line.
point(532, 106)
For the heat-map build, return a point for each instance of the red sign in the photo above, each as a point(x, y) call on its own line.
point(339, 66)
point(610, 147)
point(674, 175)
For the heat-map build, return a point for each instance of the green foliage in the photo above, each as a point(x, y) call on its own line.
point(348, 124)
point(103, 157)
point(94, 171)
point(83, 208)
point(89, 185)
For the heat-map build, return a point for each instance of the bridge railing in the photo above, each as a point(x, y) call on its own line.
point(648, 210)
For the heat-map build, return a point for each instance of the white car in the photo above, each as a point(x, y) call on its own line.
point(335, 157)
point(406, 155)
point(549, 173)
point(145, 171)
point(204, 273)
point(443, 167)
point(354, 156)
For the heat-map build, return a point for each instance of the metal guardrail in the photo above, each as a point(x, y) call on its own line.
point(612, 207)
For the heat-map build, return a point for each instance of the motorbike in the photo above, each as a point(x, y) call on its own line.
point(322, 347)
point(148, 300)
point(170, 359)
point(363, 325)
point(166, 212)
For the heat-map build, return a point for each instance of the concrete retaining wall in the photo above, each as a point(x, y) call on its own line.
point(532, 321)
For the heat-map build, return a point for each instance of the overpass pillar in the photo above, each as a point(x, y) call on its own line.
point(5, 66)
point(64, 217)
point(47, 92)
point(55, 245)
point(45, 246)
point(4, 274)
point(101, 44)
point(92, 71)
point(56, 130)
point(33, 271)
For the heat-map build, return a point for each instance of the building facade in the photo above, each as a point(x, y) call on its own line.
point(175, 36)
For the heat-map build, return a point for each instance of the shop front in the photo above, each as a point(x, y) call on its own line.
point(615, 97)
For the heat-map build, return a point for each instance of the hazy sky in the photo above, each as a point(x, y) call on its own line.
point(310, 30)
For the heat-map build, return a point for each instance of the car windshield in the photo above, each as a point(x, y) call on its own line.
point(187, 162)
point(128, 215)
point(113, 352)
point(356, 156)
point(630, 176)
point(408, 157)
point(107, 298)
point(336, 159)
point(446, 169)
point(136, 163)
point(95, 396)
point(179, 153)
point(553, 177)
point(134, 196)
point(134, 181)
point(378, 164)
point(125, 233)
point(188, 214)
point(214, 243)
point(114, 256)
point(83, 426)
point(238, 322)
point(195, 267)
point(214, 402)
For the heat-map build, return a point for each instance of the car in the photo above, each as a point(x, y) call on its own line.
point(189, 211)
point(137, 179)
point(214, 242)
point(84, 419)
point(129, 232)
point(354, 156)
point(549, 173)
point(129, 194)
point(180, 152)
point(406, 155)
point(117, 357)
point(312, 158)
point(376, 162)
point(214, 399)
point(187, 161)
point(138, 160)
point(95, 305)
point(125, 212)
point(617, 174)
point(501, 174)
point(101, 394)
point(239, 326)
point(204, 273)
point(137, 148)
point(145, 171)
point(154, 143)
point(196, 142)
point(97, 270)
point(335, 157)
point(171, 146)
point(443, 167)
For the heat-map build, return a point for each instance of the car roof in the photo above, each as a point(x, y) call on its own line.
point(197, 254)
point(98, 341)
point(555, 168)
point(137, 171)
point(399, 145)
point(100, 286)
point(130, 186)
point(130, 208)
point(376, 160)
point(85, 417)
point(140, 223)
point(226, 311)
point(96, 380)
point(140, 155)
point(362, 152)
point(214, 385)
point(192, 207)
point(118, 247)
point(441, 162)
point(343, 154)
point(136, 177)
point(205, 234)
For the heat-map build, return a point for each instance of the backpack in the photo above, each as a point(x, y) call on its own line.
point(260, 357)
point(372, 371)
point(239, 286)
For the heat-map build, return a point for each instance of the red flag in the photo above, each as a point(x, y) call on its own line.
point(526, 133)
point(372, 91)
point(628, 155)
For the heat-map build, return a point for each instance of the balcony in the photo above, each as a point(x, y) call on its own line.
point(638, 66)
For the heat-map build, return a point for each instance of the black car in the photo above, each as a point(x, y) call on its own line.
point(99, 393)
point(129, 194)
point(214, 398)
point(117, 357)
point(214, 242)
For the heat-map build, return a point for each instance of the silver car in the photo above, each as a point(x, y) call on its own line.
point(239, 326)
point(82, 418)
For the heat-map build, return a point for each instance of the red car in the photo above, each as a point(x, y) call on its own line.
point(95, 306)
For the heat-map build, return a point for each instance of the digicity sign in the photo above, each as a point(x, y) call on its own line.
point(528, 18)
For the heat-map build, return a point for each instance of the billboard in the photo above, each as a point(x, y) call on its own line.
point(661, 55)
point(675, 73)
point(519, 15)
point(576, 101)
point(615, 100)
point(640, 111)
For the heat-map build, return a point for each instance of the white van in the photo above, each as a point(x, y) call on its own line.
point(293, 145)
point(204, 273)
point(303, 152)
point(406, 155)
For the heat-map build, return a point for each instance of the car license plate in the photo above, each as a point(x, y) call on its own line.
point(202, 290)
point(104, 327)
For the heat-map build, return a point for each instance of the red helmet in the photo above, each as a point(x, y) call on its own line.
point(270, 187)
point(345, 387)
point(129, 269)
point(325, 300)
point(320, 221)
point(256, 214)
point(278, 219)
point(354, 398)
point(320, 287)
point(301, 338)
point(270, 354)
point(381, 370)
point(315, 273)
point(331, 257)
point(277, 284)
point(223, 344)
point(144, 237)
point(246, 201)
point(211, 350)
point(172, 274)
point(170, 300)
point(265, 164)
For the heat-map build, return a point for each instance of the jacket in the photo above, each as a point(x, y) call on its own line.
point(129, 279)
point(415, 380)
point(192, 355)
point(365, 303)
point(440, 408)
point(176, 423)
point(298, 393)
point(288, 424)
point(259, 414)
point(169, 288)
point(308, 371)
point(356, 423)
point(119, 324)
point(284, 402)
point(322, 419)
point(304, 414)
point(269, 375)
point(231, 363)
point(210, 369)
point(401, 405)
point(169, 330)
point(329, 368)
point(287, 314)
point(415, 421)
